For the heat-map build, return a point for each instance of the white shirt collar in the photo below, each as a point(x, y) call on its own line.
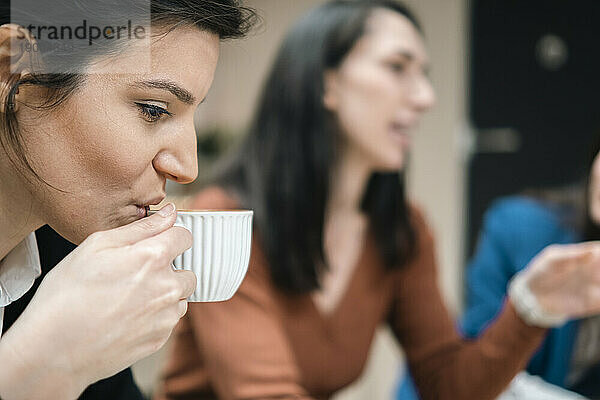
point(18, 270)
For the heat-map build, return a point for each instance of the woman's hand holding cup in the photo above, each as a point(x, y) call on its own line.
point(111, 302)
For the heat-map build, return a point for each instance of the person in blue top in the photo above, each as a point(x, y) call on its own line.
point(515, 230)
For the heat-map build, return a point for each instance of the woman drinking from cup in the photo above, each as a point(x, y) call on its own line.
point(89, 135)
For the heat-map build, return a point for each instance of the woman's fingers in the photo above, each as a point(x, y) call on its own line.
point(182, 307)
point(164, 248)
point(187, 282)
point(581, 252)
point(143, 228)
point(566, 279)
point(167, 245)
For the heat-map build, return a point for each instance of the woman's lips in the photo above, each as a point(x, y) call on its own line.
point(143, 207)
point(401, 135)
point(142, 211)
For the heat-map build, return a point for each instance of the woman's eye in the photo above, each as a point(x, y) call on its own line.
point(151, 112)
point(397, 67)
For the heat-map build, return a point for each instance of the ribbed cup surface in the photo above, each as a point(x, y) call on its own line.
point(220, 254)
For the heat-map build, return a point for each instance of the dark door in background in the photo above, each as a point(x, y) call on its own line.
point(534, 96)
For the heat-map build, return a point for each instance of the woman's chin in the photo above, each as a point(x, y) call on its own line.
point(392, 164)
point(78, 231)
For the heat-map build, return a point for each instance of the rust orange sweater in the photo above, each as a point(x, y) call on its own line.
point(266, 344)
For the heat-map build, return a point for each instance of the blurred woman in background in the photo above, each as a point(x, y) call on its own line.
point(338, 249)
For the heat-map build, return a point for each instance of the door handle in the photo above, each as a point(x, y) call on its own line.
point(497, 140)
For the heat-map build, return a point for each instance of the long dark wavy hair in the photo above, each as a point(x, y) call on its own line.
point(283, 168)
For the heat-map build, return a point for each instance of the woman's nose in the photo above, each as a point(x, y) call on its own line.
point(178, 160)
point(423, 95)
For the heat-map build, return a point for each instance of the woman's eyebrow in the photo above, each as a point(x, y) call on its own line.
point(405, 53)
point(182, 94)
point(410, 56)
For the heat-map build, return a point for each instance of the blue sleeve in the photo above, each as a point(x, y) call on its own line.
point(514, 230)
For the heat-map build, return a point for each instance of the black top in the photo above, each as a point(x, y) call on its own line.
point(53, 248)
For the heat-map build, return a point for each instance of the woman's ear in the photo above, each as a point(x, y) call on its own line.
point(16, 54)
point(17, 47)
point(330, 90)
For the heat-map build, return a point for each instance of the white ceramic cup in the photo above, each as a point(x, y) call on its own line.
point(220, 252)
